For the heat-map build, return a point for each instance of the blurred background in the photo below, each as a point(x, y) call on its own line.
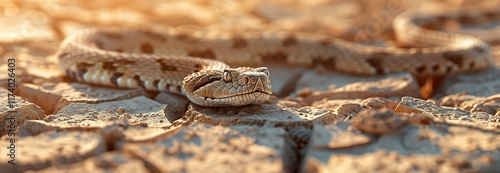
point(47, 22)
point(53, 19)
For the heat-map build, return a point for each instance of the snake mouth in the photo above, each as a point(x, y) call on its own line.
point(232, 96)
point(256, 92)
point(260, 90)
point(256, 97)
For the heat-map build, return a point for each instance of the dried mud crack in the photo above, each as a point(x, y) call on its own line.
point(318, 120)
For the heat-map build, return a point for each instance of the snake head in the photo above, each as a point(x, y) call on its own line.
point(230, 87)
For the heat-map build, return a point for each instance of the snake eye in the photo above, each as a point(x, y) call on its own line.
point(263, 70)
point(227, 76)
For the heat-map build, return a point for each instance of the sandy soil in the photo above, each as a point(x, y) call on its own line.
point(52, 124)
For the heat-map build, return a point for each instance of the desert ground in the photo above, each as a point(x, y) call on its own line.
point(317, 119)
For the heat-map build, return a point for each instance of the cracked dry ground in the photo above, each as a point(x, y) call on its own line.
point(306, 127)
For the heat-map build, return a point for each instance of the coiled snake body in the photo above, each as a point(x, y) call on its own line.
point(192, 63)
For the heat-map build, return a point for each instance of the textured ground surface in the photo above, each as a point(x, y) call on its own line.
point(60, 125)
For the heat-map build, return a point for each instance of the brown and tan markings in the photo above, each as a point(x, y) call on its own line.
point(166, 67)
point(114, 78)
point(81, 69)
point(139, 81)
point(113, 65)
point(197, 67)
point(430, 53)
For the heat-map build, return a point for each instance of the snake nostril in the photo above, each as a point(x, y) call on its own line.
point(245, 79)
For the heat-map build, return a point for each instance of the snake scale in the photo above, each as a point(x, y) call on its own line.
point(193, 63)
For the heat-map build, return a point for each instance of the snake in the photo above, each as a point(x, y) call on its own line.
point(195, 63)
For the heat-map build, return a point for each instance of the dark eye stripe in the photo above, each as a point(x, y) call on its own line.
point(204, 81)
